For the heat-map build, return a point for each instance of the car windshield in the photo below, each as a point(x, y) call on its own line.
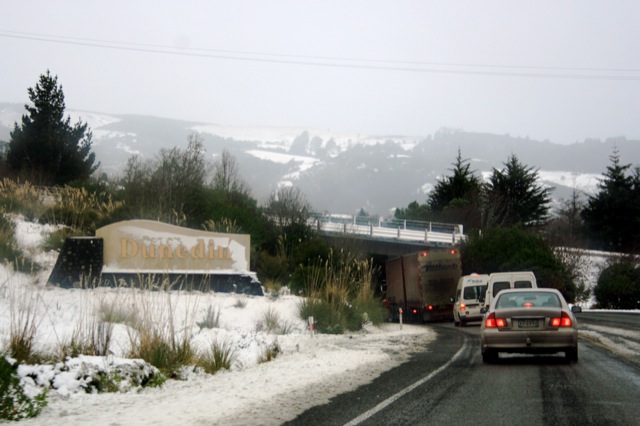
point(528, 299)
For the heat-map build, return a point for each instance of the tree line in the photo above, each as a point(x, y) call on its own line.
point(182, 187)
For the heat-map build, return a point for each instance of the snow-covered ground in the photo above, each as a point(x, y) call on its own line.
point(308, 370)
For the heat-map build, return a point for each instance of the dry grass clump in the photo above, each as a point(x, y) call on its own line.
point(157, 337)
point(340, 295)
point(26, 314)
point(271, 323)
point(221, 355)
point(211, 318)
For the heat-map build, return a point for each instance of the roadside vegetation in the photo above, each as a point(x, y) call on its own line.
point(56, 182)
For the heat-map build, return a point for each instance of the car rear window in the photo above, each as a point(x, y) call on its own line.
point(528, 299)
point(522, 284)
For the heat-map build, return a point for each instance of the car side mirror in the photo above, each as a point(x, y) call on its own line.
point(576, 309)
point(483, 310)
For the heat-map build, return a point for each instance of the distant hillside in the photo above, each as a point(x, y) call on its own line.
point(342, 172)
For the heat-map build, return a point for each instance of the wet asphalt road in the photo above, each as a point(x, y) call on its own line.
point(448, 384)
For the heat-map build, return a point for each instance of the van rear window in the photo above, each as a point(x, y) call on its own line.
point(500, 285)
point(522, 284)
point(475, 292)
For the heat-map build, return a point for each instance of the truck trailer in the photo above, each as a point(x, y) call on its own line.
point(420, 285)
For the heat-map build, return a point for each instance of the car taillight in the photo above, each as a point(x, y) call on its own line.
point(415, 311)
point(430, 307)
point(493, 322)
point(563, 321)
point(463, 306)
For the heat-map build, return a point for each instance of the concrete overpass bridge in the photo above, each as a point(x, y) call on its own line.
point(387, 238)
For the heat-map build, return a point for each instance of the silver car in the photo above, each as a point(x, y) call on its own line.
point(532, 321)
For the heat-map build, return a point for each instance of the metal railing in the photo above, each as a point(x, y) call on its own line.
point(403, 230)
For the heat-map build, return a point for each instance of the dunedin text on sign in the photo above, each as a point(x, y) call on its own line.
point(151, 249)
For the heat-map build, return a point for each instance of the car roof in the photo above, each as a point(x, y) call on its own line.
point(529, 290)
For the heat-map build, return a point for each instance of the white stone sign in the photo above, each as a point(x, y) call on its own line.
point(149, 246)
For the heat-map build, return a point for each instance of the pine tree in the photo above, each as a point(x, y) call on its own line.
point(456, 198)
point(460, 187)
point(513, 196)
point(612, 216)
point(46, 148)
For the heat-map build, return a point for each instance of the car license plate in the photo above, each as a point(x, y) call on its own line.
point(527, 323)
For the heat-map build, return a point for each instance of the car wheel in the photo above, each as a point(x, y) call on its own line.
point(489, 356)
point(571, 354)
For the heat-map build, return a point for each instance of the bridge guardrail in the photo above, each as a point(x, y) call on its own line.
point(409, 231)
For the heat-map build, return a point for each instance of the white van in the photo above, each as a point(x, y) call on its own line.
point(468, 300)
point(503, 280)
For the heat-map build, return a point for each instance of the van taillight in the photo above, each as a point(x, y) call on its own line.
point(563, 321)
point(463, 306)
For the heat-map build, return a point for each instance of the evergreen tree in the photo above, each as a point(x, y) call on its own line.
point(46, 148)
point(513, 196)
point(414, 211)
point(460, 187)
point(567, 226)
point(456, 198)
point(612, 216)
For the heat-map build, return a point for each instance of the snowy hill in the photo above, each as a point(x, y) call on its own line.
point(344, 172)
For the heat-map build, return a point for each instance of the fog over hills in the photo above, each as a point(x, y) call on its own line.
point(342, 172)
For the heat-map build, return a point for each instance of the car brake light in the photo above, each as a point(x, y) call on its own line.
point(493, 322)
point(430, 307)
point(463, 306)
point(563, 321)
point(415, 311)
point(490, 322)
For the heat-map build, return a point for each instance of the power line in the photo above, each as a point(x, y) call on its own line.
point(341, 62)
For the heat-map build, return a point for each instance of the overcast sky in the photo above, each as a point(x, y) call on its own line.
point(557, 70)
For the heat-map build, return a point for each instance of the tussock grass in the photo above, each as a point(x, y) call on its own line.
point(221, 355)
point(271, 322)
point(269, 353)
point(340, 295)
point(241, 302)
point(161, 338)
point(25, 318)
point(211, 318)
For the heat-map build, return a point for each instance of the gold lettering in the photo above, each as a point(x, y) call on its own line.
point(211, 250)
point(182, 252)
point(165, 251)
point(125, 244)
point(197, 251)
point(148, 251)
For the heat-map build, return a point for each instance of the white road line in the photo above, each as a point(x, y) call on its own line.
point(369, 413)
